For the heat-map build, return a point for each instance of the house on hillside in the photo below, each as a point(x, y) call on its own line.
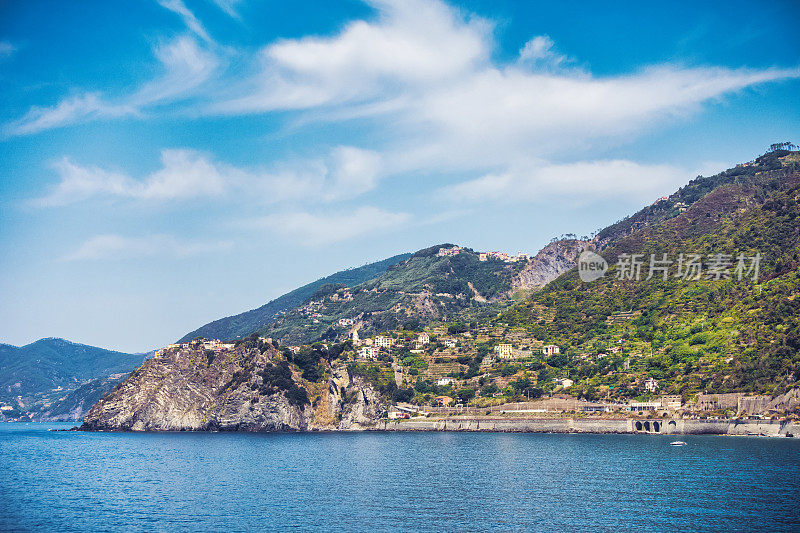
point(423, 338)
point(383, 341)
point(504, 351)
point(651, 385)
point(449, 343)
point(369, 352)
point(551, 349)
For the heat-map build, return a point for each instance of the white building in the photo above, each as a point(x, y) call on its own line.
point(423, 338)
point(551, 349)
point(384, 342)
point(651, 384)
point(443, 382)
point(643, 406)
point(369, 352)
point(344, 322)
point(566, 382)
point(449, 343)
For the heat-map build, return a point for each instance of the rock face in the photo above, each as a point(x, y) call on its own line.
point(551, 261)
point(193, 390)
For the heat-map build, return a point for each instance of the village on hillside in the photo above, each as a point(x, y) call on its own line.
point(493, 369)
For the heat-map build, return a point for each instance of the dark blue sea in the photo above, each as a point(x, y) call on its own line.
point(72, 481)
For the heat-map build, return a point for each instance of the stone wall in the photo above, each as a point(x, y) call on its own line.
point(594, 425)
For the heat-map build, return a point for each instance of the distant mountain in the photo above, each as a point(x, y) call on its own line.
point(48, 364)
point(77, 403)
point(243, 324)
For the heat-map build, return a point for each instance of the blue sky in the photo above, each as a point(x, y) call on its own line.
point(176, 161)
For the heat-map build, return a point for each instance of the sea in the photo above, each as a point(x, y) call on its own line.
point(376, 481)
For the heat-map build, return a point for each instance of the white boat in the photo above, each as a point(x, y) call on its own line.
point(677, 443)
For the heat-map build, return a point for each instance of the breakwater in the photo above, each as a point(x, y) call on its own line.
point(658, 426)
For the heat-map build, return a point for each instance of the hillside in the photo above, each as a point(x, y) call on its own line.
point(241, 325)
point(692, 336)
point(46, 370)
point(431, 285)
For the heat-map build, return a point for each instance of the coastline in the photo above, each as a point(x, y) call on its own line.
point(632, 426)
point(636, 426)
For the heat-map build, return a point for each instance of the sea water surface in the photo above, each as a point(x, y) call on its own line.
point(75, 481)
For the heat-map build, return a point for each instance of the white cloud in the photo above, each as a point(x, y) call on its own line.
point(185, 67)
point(67, 111)
point(194, 25)
point(346, 172)
point(119, 247)
point(585, 179)
point(229, 7)
point(6, 49)
point(540, 52)
point(183, 174)
point(414, 43)
point(311, 229)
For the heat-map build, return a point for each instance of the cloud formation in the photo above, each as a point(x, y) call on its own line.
point(185, 174)
point(313, 229)
point(423, 74)
point(585, 179)
point(119, 247)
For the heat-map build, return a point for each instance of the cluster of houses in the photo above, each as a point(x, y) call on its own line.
point(503, 256)
point(214, 344)
point(484, 256)
point(372, 347)
point(449, 252)
point(507, 351)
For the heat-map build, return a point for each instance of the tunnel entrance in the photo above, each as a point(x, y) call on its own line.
point(638, 426)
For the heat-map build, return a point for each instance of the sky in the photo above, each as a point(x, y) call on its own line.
point(172, 162)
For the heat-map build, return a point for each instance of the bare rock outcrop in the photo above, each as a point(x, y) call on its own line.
point(551, 261)
point(191, 389)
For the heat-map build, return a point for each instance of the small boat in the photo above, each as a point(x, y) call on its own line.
point(677, 443)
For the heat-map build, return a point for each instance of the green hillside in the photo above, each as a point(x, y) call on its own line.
point(243, 324)
point(423, 288)
point(692, 336)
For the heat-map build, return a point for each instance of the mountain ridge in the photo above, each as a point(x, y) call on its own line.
point(242, 324)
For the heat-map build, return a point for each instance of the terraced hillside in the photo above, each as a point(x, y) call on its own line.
point(691, 335)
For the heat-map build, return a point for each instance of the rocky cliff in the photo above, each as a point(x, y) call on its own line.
point(551, 261)
point(245, 389)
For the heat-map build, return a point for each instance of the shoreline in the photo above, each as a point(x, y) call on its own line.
point(629, 426)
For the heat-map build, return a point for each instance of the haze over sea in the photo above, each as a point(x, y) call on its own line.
point(74, 481)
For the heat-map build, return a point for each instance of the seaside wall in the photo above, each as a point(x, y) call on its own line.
point(568, 425)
